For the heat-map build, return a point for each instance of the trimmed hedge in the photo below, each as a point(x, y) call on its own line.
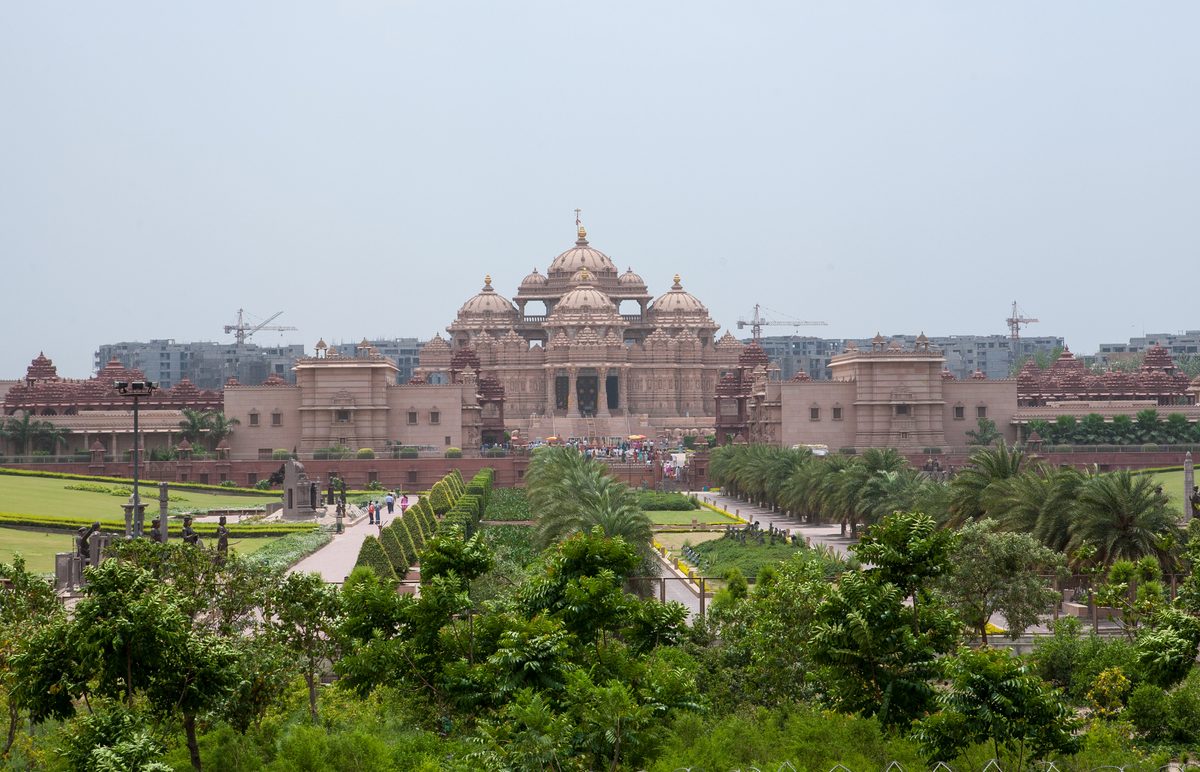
point(373, 556)
point(442, 497)
point(507, 504)
point(411, 542)
point(68, 523)
point(396, 553)
point(413, 530)
point(190, 486)
point(290, 550)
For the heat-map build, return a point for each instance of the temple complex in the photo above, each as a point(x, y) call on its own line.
point(586, 351)
point(890, 396)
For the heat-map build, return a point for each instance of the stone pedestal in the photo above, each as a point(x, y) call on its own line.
point(131, 520)
point(300, 497)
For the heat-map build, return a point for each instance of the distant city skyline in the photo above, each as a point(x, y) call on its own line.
point(880, 166)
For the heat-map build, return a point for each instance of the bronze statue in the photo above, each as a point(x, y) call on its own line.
point(189, 534)
point(155, 530)
point(1194, 500)
point(222, 540)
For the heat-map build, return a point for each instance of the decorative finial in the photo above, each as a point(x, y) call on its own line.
point(577, 220)
point(676, 285)
point(487, 280)
point(584, 275)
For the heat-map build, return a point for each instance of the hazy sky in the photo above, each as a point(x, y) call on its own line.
point(892, 166)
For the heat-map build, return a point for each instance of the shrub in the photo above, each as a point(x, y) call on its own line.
point(507, 504)
point(227, 484)
point(677, 502)
point(281, 454)
point(495, 453)
point(453, 452)
point(262, 485)
point(396, 552)
point(372, 555)
point(407, 453)
point(365, 453)
point(375, 485)
point(409, 534)
point(1147, 711)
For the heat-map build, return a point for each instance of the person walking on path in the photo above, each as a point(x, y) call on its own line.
point(371, 513)
point(403, 503)
point(391, 502)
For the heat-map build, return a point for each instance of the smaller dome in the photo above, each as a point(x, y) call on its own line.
point(488, 301)
point(631, 279)
point(534, 279)
point(678, 300)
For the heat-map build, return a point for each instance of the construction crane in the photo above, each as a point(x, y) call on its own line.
point(244, 329)
point(757, 322)
point(1014, 326)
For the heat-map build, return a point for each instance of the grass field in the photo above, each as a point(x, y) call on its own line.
point(702, 515)
point(46, 496)
point(1172, 483)
point(39, 547)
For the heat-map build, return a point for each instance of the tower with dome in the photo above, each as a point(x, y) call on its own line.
point(585, 350)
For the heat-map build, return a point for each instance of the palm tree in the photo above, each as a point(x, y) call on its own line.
point(194, 425)
point(220, 427)
point(1123, 517)
point(970, 488)
point(206, 427)
point(569, 494)
point(22, 431)
point(51, 435)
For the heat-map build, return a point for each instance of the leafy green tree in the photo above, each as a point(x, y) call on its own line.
point(994, 699)
point(874, 662)
point(907, 549)
point(304, 616)
point(26, 603)
point(993, 571)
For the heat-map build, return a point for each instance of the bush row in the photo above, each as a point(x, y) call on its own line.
point(291, 549)
point(191, 486)
point(650, 501)
point(399, 545)
point(68, 523)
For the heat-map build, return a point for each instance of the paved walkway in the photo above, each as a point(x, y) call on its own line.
point(335, 560)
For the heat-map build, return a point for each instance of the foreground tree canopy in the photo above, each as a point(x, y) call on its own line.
point(533, 647)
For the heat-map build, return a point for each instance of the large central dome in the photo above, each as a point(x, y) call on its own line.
point(581, 255)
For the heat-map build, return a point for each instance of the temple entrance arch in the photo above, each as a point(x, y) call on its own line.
point(587, 391)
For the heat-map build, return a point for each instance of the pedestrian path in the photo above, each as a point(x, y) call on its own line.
point(336, 560)
point(826, 534)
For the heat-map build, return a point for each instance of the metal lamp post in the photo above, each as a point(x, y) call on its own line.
point(136, 390)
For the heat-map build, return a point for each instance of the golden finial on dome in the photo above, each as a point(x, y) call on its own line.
point(583, 274)
point(676, 285)
point(582, 232)
point(487, 280)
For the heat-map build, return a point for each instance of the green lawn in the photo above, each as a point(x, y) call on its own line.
point(1172, 483)
point(46, 496)
point(702, 515)
point(39, 547)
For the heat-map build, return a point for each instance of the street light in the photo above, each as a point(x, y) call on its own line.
point(136, 390)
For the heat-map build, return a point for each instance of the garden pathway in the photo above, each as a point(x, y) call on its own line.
point(335, 560)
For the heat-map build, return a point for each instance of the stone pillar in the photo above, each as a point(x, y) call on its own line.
point(1189, 481)
point(572, 399)
point(163, 503)
point(551, 403)
point(602, 392)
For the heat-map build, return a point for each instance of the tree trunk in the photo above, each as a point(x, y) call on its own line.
point(189, 726)
point(312, 695)
point(14, 717)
